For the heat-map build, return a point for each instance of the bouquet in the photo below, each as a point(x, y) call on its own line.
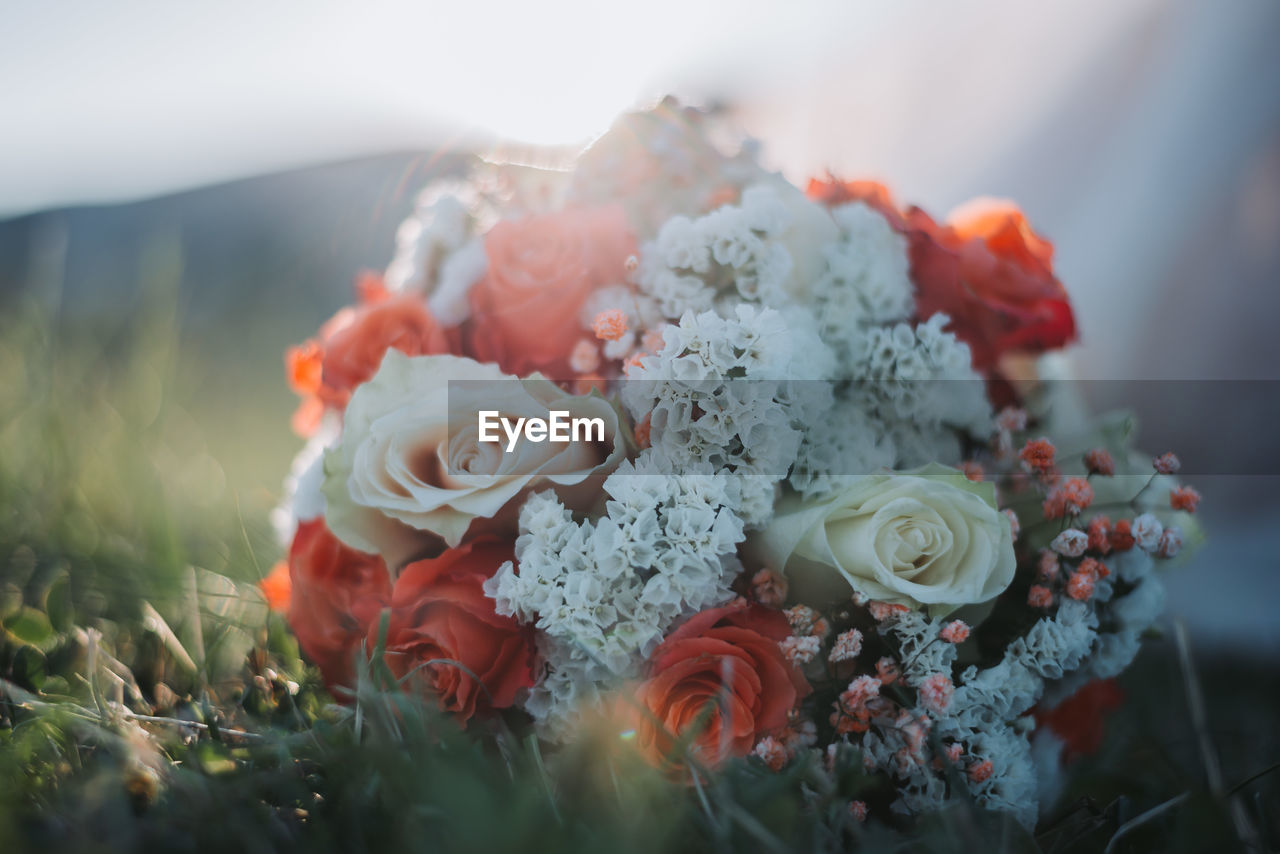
point(736, 470)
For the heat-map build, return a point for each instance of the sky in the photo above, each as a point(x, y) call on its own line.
point(109, 101)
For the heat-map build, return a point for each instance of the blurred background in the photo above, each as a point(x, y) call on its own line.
point(183, 194)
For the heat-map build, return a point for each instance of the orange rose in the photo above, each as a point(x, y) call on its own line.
point(985, 268)
point(275, 588)
point(336, 593)
point(350, 347)
point(441, 619)
point(541, 270)
point(873, 194)
point(721, 670)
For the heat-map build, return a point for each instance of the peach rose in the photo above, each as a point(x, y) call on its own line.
point(444, 629)
point(541, 270)
point(336, 593)
point(351, 345)
point(724, 671)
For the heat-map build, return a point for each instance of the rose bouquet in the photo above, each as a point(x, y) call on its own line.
point(822, 511)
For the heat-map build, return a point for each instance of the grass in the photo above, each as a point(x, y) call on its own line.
point(150, 702)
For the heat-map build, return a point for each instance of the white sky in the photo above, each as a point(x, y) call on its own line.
point(110, 101)
point(100, 101)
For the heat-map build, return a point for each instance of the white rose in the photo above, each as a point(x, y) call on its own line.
point(404, 466)
point(929, 538)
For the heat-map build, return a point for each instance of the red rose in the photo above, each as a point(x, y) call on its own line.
point(336, 593)
point(541, 270)
point(440, 615)
point(350, 347)
point(985, 268)
point(1080, 720)
point(994, 276)
point(722, 669)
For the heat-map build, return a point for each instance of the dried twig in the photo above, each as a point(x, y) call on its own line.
point(155, 719)
point(1209, 756)
point(1137, 821)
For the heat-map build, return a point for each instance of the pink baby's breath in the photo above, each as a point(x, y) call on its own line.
point(847, 647)
point(1080, 586)
point(1070, 543)
point(860, 690)
point(610, 324)
point(771, 752)
point(1069, 498)
point(1037, 455)
point(1011, 419)
point(1039, 596)
point(1184, 498)
point(1100, 534)
point(806, 621)
point(1122, 535)
point(852, 713)
point(769, 588)
point(1048, 566)
point(1170, 542)
point(1146, 531)
point(1100, 461)
point(800, 650)
point(882, 611)
point(585, 357)
point(980, 772)
point(936, 692)
point(1093, 568)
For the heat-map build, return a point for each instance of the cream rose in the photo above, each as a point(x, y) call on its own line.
point(404, 465)
point(926, 539)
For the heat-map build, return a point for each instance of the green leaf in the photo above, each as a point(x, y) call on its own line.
point(58, 603)
point(30, 668)
point(10, 600)
point(56, 685)
point(31, 627)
